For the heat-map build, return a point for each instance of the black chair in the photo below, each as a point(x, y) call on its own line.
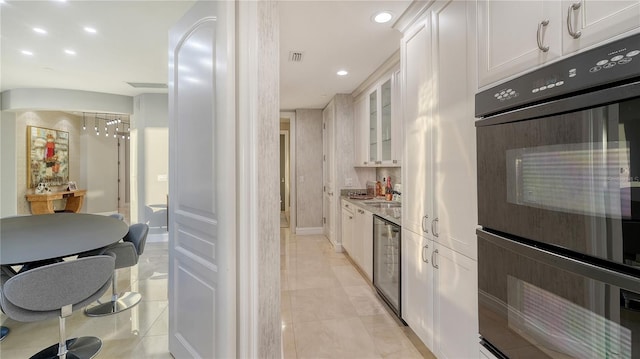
point(127, 254)
point(56, 290)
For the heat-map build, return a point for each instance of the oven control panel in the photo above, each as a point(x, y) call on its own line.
point(616, 61)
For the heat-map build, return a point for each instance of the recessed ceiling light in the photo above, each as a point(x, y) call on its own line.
point(382, 17)
point(40, 30)
point(342, 73)
point(27, 52)
point(90, 30)
point(69, 52)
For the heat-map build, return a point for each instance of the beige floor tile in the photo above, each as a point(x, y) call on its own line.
point(348, 276)
point(364, 300)
point(335, 338)
point(320, 304)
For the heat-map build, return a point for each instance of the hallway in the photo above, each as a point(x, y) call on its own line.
point(330, 311)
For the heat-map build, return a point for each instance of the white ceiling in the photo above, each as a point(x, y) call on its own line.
point(131, 45)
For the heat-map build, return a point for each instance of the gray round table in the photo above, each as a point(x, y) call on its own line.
point(34, 238)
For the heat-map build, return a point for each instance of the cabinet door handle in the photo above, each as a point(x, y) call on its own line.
point(350, 217)
point(424, 257)
point(541, 46)
point(434, 227)
point(424, 227)
point(572, 8)
point(433, 260)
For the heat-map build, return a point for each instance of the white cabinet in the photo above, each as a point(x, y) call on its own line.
point(453, 138)
point(363, 232)
point(417, 286)
point(361, 142)
point(357, 236)
point(508, 33)
point(439, 169)
point(438, 58)
point(417, 186)
point(347, 226)
point(518, 36)
point(597, 21)
point(455, 304)
point(377, 112)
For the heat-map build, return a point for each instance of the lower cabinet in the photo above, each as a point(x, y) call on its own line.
point(417, 285)
point(363, 232)
point(347, 227)
point(439, 297)
point(357, 236)
point(455, 300)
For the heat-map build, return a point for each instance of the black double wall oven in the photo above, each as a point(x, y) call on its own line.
point(559, 208)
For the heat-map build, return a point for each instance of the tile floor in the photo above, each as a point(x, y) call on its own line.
point(328, 311)
point(137, 333)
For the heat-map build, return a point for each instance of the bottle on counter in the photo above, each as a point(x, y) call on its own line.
point(383, 191)
point(378, 189)
point(389, 191)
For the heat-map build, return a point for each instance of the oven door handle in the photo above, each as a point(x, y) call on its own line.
point(569, 264)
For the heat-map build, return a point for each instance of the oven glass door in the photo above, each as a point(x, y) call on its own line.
point(536, 304)
point(570, 180)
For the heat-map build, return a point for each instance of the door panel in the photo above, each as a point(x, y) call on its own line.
point(418, 93)
point(201, 245)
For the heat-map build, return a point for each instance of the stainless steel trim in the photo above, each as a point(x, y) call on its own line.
point(572, 8)
point(541, 46)
point(433, 259)
point(553, 107)
point(601, 274)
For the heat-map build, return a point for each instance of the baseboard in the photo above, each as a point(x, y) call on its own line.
point(158, 237)
point(308, 231)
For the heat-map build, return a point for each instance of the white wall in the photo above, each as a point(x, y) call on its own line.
point(16, 115)
point(8, 178)
point(99, 171)
point(150, 160)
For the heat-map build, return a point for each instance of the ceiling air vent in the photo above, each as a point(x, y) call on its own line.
point(147, 85)
point(296, 56)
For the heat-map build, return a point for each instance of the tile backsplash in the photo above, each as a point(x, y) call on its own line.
point(384, 172)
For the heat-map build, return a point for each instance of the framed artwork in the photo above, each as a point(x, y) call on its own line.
point(47, 156)
point(73, 186)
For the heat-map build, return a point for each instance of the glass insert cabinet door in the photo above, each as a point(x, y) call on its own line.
point(385, 120)
point(373, 126)
point(380, 101)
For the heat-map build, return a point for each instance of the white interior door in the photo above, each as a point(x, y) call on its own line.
point(202, 284)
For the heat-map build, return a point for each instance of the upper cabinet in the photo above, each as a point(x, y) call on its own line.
point(518, 36)
point(377, 111)
point(590, 22)
point(515, 36)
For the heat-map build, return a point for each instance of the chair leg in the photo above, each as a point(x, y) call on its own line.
point(4, 331)
point(81, 348)
point(117, 304)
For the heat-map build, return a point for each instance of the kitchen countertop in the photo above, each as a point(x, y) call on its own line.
point(390, 214)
